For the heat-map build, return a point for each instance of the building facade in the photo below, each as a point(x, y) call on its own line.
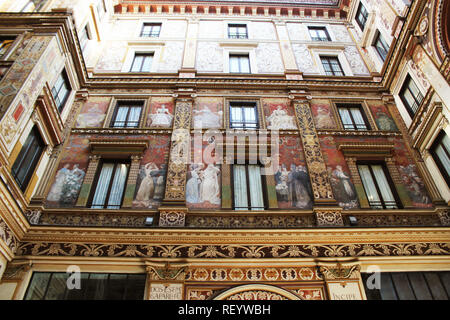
point(224, 149)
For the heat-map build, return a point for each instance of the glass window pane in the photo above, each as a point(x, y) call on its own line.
point(346, 119)
point(38, 286)
point(240, 188)
point(78, 294)
point(118, 187)
point(57, 287)
point(116, 286)
point(102, 186)
point(256, 190)
point(402, 286)
point(435, 285)
point(245, 64)
point(387, 287)
point(369, 187)
point(97, 286)
point(384, 187)
point(147, 63)
point(419, 286)
point(137, 63)
point(234, 64)
point(135, 287)
point(358, 118)
point(443, 157)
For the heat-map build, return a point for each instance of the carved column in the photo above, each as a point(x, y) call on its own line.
point(83, 197)
point(173, 209)
point(421, 167)
point(325, 206)
point(343, 281)
point(131, 182)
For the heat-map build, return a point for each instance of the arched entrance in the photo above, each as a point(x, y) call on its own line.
point(256, 292)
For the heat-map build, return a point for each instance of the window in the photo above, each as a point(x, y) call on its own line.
point(142, 62)
point(84, 37)
point(237, 31)
point(381, 46)
point(378, 186)
point(331, 66)
point(247, 187)
point(409, 286)
point(101, 8)
point(61, 90)
point(361, 16)
point(243, 115)
point(94, 286)
point(440, 151)
point(239, 63)
point(319, 34)
point(410, 96)
point(352, 117)
point(28, 158)
point(5, 43)
point(127, 114)
point(110, 187)
point(151, 30)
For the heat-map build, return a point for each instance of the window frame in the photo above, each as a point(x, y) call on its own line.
point(379, 39)
point(66, 82)
point(144, 54)
point(323, 28)
point(84, 37)
point(361, 110)
point(151, 25)
point(406, 87)
point(243, 104)
point(129, 104)
point(238, 35)
point(116, 162)
point(327, 58)
point(7, 50)
point(361, 12)
point(239, 55)
point(247, 180)
point(437, 160)
point(391, 184)
point(24, 151)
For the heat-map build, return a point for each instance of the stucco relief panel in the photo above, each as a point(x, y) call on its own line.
point(355, 61)
point(297, 31)
point(269, 58)
point(304, 59)
point(171, 56)
point(113, 57)
point(263, 30)
point(341, 33)
point(209, 57)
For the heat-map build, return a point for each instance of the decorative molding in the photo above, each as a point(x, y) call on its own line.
point(329, 217)
point(340, 271)
point(172, 217)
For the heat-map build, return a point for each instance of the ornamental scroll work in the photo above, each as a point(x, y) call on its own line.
point(179, 152)
point(316, 166)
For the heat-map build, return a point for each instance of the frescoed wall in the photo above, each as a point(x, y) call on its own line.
point(293, 186)
point(341, 182)
point(93, 112)
point(207, 113)
point(160, 112)
point(323, 114)
point(70, 173)
point(382, 117)
point(151, 181)
point(203, 180)
point(278, 114)
point(409, 175)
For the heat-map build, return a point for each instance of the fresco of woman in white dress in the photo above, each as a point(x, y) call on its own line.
point(193, 184)
point(162, 117)
point(206, 119)
point(150, 190)
point(209, 185)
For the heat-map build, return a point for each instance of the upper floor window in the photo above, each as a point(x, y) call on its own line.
point(239, 63)
point(84, 37)
point(142, 62)
point(247, 187)
point(410, 96)
point(243, 115)
point(378, 186)
point(381, 46)
point(111, 182)
point(101, 8)
point(127, 114)
point(33, 6)
point(352, 117)
point(5, 43)
point(332, 66)
point(361, 16)
point(151, 30)
point(440, 151)
point(28, 158)
point(61, 90)
point(237, 31)
point(319, 34)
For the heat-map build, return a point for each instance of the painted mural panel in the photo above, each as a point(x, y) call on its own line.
point(203, 181)
point(323, 114)
point(207, 113)
point(279, 114)
point(160, 112)
point(70, 173)
point(150, 184)
point(93, 113)
point(339, 173)
point(293, 186)
point(409, 175)
point(382, 116)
